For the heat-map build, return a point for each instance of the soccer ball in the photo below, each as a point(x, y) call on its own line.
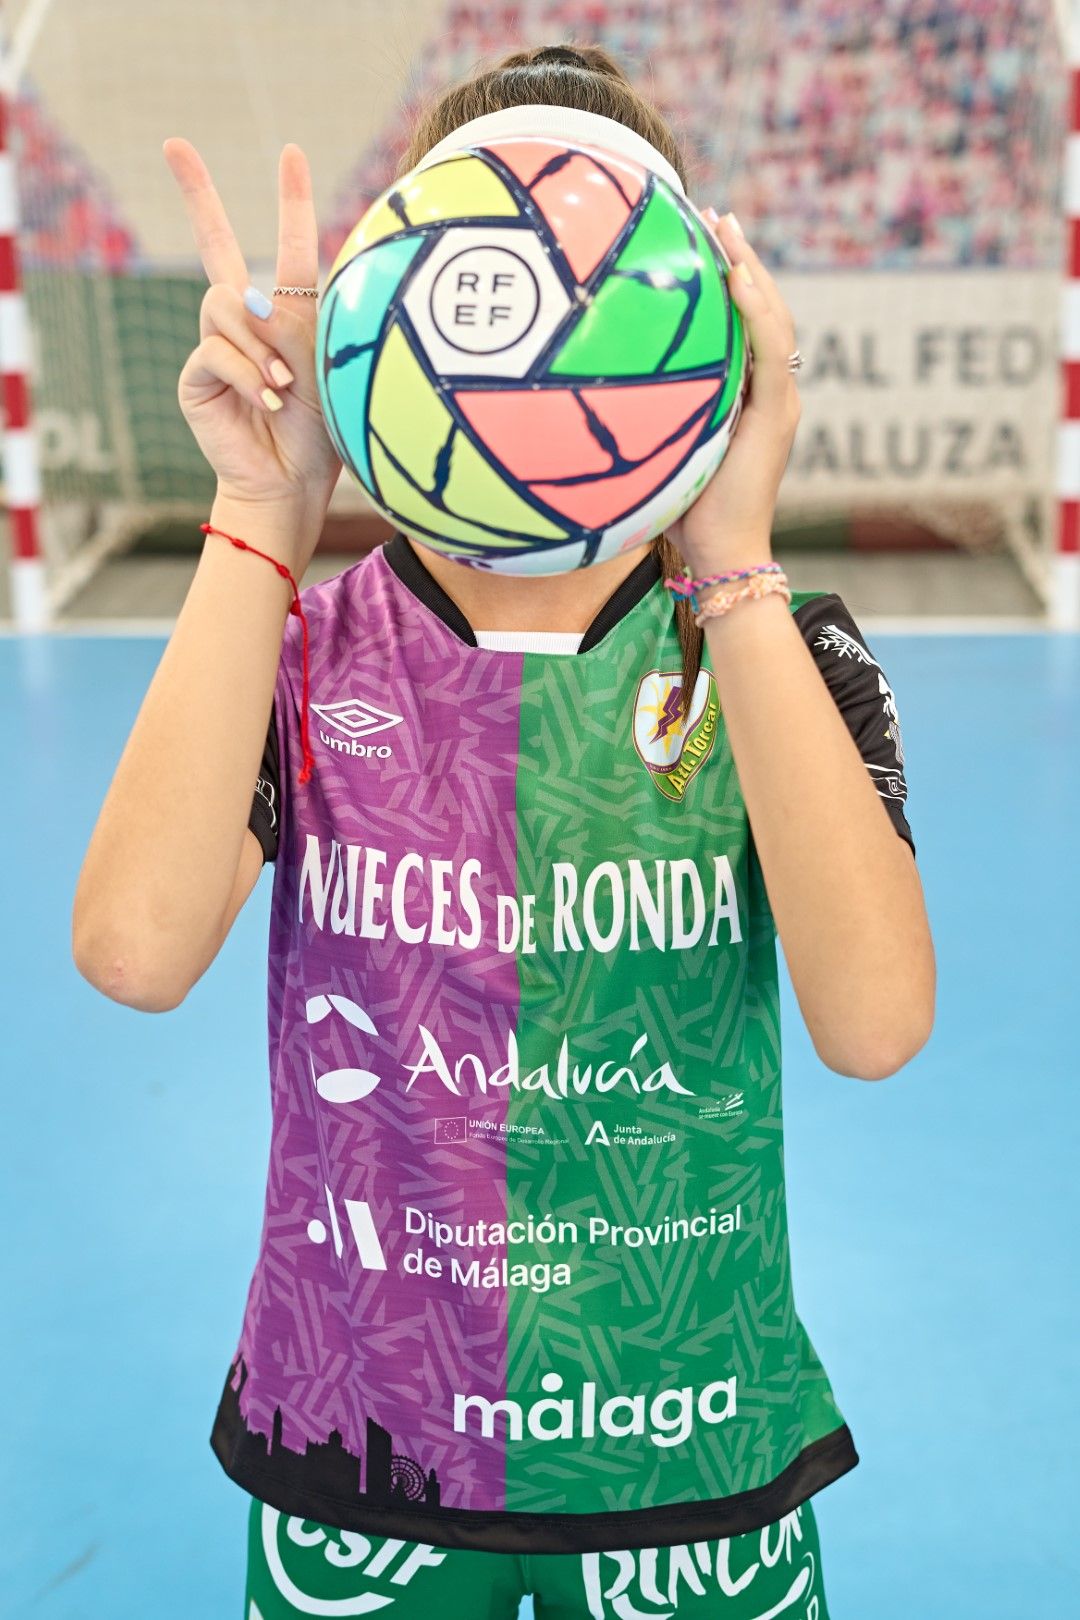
point(528, 356)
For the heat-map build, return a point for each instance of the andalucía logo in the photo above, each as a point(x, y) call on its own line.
point(674, 750)
point(355, 718)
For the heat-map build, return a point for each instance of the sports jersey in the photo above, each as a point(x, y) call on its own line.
point(524, 1283)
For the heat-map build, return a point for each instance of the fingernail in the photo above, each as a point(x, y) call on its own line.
point(257, 302)
point(711, 215)
point(743, 273)
point(280, 373)
point(272, 401)
point(736, 227)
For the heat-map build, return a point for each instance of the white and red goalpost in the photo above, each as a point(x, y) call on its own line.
point(57, 539)
point(22, 476)
point(1064, 602)
point(22, 480)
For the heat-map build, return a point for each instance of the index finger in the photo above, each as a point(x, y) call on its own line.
point(298, 233)
point(214, 237)
point(737, 247)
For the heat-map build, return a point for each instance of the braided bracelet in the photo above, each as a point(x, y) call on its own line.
point(297, 607)
point(683, 586)
point(723, 601)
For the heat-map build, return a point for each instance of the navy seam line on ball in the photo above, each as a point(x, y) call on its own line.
point(553, 165)
point(478, 523)
point(537, 220)
point(693, 295)
point(543, 228)
point(621, 464)
point(395, 311)
point(577, 309)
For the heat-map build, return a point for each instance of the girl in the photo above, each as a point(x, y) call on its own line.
point(522, 1316)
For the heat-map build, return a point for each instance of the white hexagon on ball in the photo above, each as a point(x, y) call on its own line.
point(485, 302)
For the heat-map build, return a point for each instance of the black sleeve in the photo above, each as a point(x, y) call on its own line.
point(863, 696)
point(263, 819)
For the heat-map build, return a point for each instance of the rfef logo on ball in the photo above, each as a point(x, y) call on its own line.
point(673, 749)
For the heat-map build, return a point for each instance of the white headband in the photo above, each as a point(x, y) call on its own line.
point(565, 123)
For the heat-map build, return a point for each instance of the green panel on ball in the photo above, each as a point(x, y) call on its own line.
point(659, 241)
point(632, 321)
point(735, 370)
point(705, 343)
point(625, 332)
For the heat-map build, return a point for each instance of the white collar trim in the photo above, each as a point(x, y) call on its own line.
point(548, 641)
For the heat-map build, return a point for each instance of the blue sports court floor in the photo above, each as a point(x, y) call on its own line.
point(933, 1215)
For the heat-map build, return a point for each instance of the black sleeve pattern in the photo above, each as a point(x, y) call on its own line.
point(863, 696)
point(263, 819)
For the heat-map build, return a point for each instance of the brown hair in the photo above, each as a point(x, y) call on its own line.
point(582, 76)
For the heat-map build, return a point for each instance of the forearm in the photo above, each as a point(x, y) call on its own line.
point(843, 887)
point(161, 863)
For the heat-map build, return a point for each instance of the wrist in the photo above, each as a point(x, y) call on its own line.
point(747, 621)
point(288, 529)
point(737, 574)
point(725, 552)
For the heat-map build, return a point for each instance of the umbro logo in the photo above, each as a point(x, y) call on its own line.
point(353, 719)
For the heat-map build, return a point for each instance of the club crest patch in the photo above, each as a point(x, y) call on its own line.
point(671, 749)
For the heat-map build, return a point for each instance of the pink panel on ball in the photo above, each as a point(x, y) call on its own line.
point(527, 157)
point(585, 208)
point(534, 434)
point(643, 416)
point(595, 505)
point(586, 218)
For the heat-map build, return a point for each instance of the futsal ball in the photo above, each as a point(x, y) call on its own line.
point(528, 356)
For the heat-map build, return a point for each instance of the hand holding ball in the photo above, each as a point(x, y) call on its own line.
point(526, 350)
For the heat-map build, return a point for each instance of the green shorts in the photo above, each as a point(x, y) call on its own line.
point(299, 1567)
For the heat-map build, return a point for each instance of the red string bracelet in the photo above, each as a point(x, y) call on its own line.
point(242, 545)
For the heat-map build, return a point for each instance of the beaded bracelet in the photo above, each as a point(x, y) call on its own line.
point(765, 584)
point(682, 585)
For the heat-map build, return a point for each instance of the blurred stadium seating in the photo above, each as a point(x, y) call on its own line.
point(882, 140)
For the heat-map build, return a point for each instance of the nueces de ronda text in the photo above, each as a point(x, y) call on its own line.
point(668, 903)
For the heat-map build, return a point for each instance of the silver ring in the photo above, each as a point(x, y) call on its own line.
point(308, 292)
point(794, 361)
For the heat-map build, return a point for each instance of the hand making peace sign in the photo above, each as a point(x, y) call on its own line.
point(261, 452)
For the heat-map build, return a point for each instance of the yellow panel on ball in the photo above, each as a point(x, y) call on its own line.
point(405, 411)
point(474, 487)
point(409, 420)
point(451, 190)
point(404, 502)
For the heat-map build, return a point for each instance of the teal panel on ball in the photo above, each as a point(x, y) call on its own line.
point(347, 391)
point(350, 327)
